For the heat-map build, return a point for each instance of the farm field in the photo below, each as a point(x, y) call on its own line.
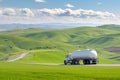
point(22, 71)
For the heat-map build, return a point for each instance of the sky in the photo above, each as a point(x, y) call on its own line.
point(60, 11)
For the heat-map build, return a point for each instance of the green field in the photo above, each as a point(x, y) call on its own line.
point(22, 71)
point(57, 56)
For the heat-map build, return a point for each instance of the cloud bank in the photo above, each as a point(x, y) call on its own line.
point(79, 13)
point(57, 15)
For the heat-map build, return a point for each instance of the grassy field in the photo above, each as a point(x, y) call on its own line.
point(45, 56)
point(57, 56)
point(19, 71)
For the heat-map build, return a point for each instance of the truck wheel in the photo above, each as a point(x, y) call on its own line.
point(87, 61)
point(65, 63)
point(78, 62)
point(84, 62)
point(94, 61)
point(73, 62)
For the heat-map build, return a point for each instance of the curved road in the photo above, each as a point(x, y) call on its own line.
point(18, 58)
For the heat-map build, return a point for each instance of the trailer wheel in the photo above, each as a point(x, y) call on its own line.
point(86, 61)
point(78, 62)
point(94, 61)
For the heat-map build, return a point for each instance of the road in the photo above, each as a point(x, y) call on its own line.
point(18, 58)
point(104, 65)
point(75, 65)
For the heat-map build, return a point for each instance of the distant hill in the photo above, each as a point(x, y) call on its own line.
point(47, 26)
point(110, 27)
point(67, 40)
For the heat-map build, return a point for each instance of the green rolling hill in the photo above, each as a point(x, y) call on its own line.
point(110, 27)
point(44, 45)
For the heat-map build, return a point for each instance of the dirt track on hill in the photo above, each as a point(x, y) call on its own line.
point(18, 57)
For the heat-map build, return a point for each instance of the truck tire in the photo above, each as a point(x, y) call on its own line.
point(86, 62)
point(78, 63)
point(94, 61)
point(65, 63)
point(73, 62)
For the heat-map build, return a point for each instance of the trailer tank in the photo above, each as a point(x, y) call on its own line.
point(88, 57)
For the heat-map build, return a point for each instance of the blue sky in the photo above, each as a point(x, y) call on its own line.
point(106, 5)
point(60, 11)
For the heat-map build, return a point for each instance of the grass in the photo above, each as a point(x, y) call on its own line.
point(17, 71)
point(111, 27)
point(45, 56)
point(58, 56)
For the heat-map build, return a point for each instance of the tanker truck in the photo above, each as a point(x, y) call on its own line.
point(87, 56)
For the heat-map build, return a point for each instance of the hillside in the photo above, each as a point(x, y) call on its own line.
point(62, 41)
point(110, 27)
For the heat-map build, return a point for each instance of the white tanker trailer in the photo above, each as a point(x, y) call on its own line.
point(88, 57)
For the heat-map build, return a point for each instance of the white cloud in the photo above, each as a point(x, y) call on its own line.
point(46, 11)
point(39, 0)
point(0, 12)
point(26, 15)
point(26, 12)
point(16, 12)
point(9, 12)
point(69, 5)
point(99, 3)
point(79, 13)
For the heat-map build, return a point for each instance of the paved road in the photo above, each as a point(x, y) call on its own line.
point(104, 65)
point(77, 65)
